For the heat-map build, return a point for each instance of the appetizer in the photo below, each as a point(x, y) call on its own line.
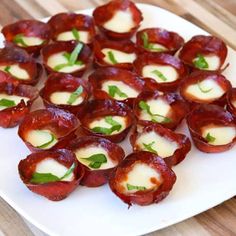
point(172, 147)
point(205, 87)
point(158, 40)
point(231, 101)
point(108, 119)
point(118, 19)
point(142, 178)
point(69, 57)
point(212, 128)
point(72, 26)
point(30, 35)
point(114, 53)
point(117, 84)
point(203, 52)
point(19, 64)
point(161, 71)
point(48, 129)
point(65, 91)
point(167, 109)
point(15, 100)
point(99, 157)
point(52, 174)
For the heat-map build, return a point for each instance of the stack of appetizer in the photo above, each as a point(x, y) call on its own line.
point(139, 89)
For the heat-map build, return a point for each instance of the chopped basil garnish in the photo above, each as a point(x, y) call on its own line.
point(75, 33)
point(149, 147)
point(7, 103)
point(209, 138)
point(18, 39)
point(200, 62)
point(45, 145)
point(112, 57)
point(148, 45)
point(145, 107)
point(96, 160)
point(75, 95)
point(159, 75)
point(202, 89)
point(7, 69)
point(132, 187)
point(71, 58)
point(115, 126)
point(113, 90)
point(42, 178)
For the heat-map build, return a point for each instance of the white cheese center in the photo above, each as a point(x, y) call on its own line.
point(68, 35)
point(62, 98)
point(121, 22)
point(16, 71)
point(31, 41)
point(156, 47)
point(15, 98)
point(212, 61)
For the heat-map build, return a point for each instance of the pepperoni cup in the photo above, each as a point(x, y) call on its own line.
point(161, 71)
point(66, 92)
point(107, 119)
point(46, 129)
point(172, 147)
point(117, 84)
point(99, 157)
point(212, 128)
point(31, 35)
point(118, 19)
point(119, 54)
point(167, 109)
point(68, 57)
point(142, 178)
point(52, 174)
point(15, 100)
point(158, 40)
point(72, 26)
point(231, 101)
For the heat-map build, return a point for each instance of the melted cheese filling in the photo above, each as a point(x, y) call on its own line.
point(38, 138)
point(62, 98)
point(163, 146)
point(234, 103)
point(68, 35)
point(142, 175)
point(16, 71)
point(212, 61)
point(221, 135)
point(157, 106)
point(168, 72)
point(58, 59)
point(92, 150)
point(120, 57)
point(206, 89)
point(52, 166)
point(31, 41)
point(124, 88)
point(121, 22)
point(102, 123)
point(15, 98)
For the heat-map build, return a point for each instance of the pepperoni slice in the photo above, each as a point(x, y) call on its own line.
point(158, 40)
point(108, 119)
point(167, 109)
point(53, 187)
point(119, 13)
point(99, 157)
point(117, 84)
point(66, 92)
point(49, 128)
point(231, 101)
point(172, 147)
point(142, 178)
point(31, 35)
point(161, 71)
point(72, 26)
point(212, 128)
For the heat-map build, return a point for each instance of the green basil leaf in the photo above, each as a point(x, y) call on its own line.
point(159, 75)
point(209, 138)
point(60, 66)
point(149, 147)
point(18, 39)
point(42, 178)
point(145, 40)
point(151, 46)
point(145, 107)
point(102, 130)
point(75, 95)
point(75, 33)
point(202, 89)
point(109, 120)
point(45, 145)
point(164, 119)
point(96, 160)
point(75, 53)
point(68, 172)
point(113, 90)
point(112, 57)
point(132, 187)
point(7, 103)
point(200, 62)
point(66, 55)
point(7, 69)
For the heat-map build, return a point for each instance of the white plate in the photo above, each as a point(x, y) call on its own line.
point(203, 180)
